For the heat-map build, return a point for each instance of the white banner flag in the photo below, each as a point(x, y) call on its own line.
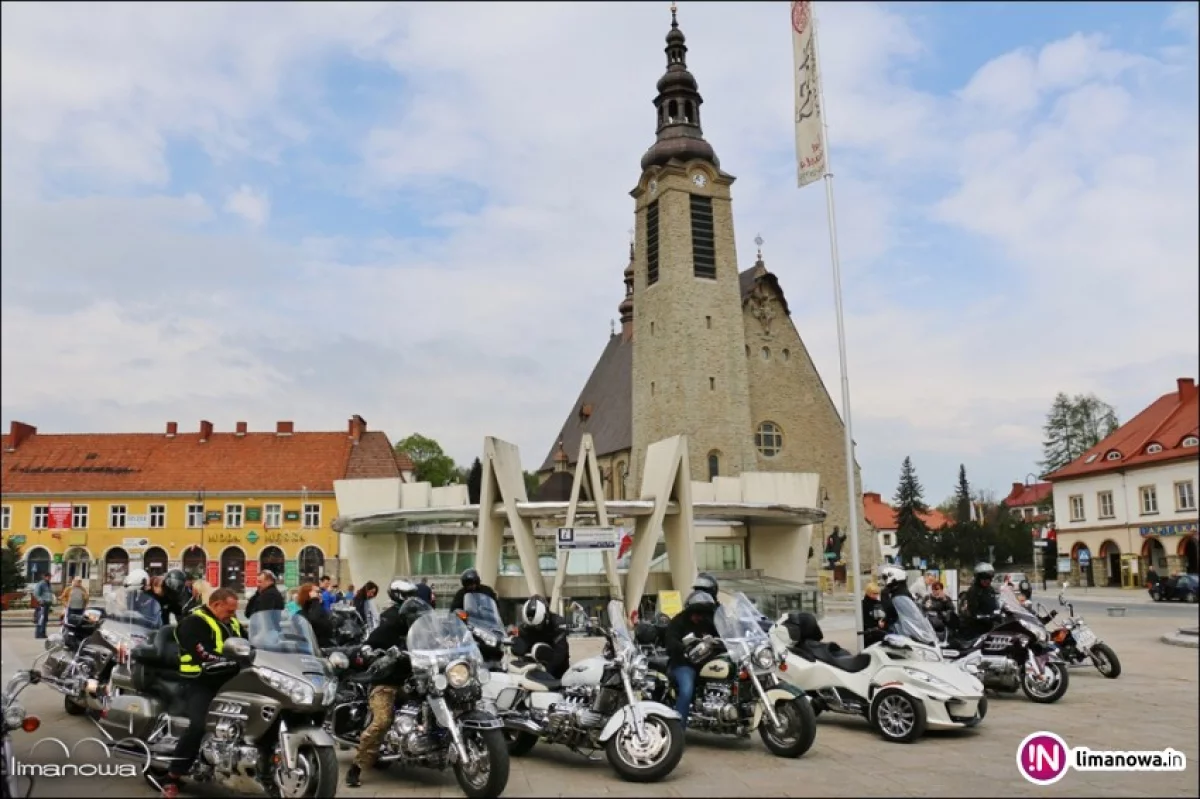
point(810, 145)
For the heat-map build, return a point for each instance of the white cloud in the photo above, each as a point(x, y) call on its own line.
point(252, 206)
point(1071, 169)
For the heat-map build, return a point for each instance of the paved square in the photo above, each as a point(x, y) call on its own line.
point(1153, 705)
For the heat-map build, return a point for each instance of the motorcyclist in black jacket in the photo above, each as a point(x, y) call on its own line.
point(696, 619)
point(471, 584)
point(981, 601)
point(399, 591)
point(542, 635)
point(391, 632)
point(175, 597)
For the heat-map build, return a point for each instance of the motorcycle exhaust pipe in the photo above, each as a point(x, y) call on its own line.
point(524, 725)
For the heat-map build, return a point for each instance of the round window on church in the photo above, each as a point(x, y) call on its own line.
point(769, 439)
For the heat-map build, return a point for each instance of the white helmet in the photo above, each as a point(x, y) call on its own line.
point(889, 575)
point(535, 612)
point(136, 579)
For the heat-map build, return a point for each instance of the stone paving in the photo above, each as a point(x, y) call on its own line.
point(1152, 705)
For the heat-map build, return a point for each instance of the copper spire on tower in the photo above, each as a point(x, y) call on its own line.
point(678, 104)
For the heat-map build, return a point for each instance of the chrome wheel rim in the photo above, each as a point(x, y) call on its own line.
point(476, 765)
point(297, 782)
point(1043, 686)
point(896, 716)
point(644, 753)
point(787, 733)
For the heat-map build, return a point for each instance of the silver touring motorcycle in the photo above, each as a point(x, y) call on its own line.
point(264, 724)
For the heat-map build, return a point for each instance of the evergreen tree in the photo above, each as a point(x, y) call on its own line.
point(913, 539)
point(475, 482)
point(12, 568)
point(962, 497)
point(1057, 450)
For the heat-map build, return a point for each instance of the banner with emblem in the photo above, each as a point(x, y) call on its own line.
point(810, 140)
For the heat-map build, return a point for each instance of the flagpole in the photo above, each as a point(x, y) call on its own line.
point(851, 491)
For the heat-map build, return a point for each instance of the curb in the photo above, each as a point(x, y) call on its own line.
point(1185, 637)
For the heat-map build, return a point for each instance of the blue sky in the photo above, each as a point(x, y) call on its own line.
point(419, 213)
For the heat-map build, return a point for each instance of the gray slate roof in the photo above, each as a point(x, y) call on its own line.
point(609, 391)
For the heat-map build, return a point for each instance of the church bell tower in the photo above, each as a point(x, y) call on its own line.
point(689, 347)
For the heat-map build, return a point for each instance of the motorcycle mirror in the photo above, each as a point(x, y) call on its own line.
point(240, 649)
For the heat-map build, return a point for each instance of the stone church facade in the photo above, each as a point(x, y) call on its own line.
point(704, 349)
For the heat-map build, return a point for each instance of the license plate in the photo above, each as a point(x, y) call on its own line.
point(1085, 638)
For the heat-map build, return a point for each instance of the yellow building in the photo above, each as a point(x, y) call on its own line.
point(220, 505)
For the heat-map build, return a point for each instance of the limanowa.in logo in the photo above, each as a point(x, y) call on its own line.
point(84, 761)
point(1044, 758)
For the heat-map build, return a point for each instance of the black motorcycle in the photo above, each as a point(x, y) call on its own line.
point(1017, 653)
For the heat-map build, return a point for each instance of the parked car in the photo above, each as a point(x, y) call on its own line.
point(1185, 588)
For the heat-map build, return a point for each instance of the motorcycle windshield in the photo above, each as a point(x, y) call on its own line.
point(134, 609)
point(618, 620)
point(911, 622)
point(437, 639)
point(737, 624)
point(282, 632)
point(1010, 602)
point(482, 612)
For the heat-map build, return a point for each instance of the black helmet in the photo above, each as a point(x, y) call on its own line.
point(700, 602)
point(400, 590)
point(413, 609)
point(470, 579)
point(1024, 587)
point(707, 583)
point(535, 612)
point(175, 587)
point(984, 571)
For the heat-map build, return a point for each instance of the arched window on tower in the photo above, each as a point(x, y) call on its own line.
point(689, 112)
point(672, 111)
point(714, 464)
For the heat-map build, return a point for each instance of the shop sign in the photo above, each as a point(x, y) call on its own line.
point(1167, 530)
point(17, 540)
point(137, 521)
point(1085, 557)
point(291, 515)
point(291, 574)
point(224, 538)
point(212, 516)
point(254, 514)
point(283, 538)
point(59, 516)
point(252, 536)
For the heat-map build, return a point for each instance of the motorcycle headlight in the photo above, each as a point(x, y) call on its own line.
point(299, 691)
point(930, 680)
point(458, 674)
point(638, 667)
point(14, 714)
point(764, 657)
point(1038, 632)
point(488, 639)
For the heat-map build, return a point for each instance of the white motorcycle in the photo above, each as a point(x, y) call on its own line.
point(597, 705)
point(902, 685)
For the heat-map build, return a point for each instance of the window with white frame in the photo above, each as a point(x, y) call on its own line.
point(158, 516)
point(312, 516)
point(1077, 508)
point(79, 517)
point(273, 515)
point(195, 515)
point(233, 515)
point(1105, 502)
point(1185, 495)
point(1149, 499)
point(887, 539)
point(40, 517)
point(116, 516)
point(1029, 513)
point(5, 517)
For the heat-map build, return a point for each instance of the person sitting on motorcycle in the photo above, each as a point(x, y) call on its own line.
point(696, 619)
point(542, 635)
point(392, 632)
point(470, 584)
point(895, 584)
point(141, 599)
point(708, 584)
point(399, 591)
point(981, 601)
point(201, 637)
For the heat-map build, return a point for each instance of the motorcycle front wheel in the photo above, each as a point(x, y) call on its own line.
point(796, 731)
point(1042, 693)
point(651, 761)
point(488, 776)
point(315, 775)
point(1106, 661)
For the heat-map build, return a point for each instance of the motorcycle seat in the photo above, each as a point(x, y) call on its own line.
point(538, 680)
point(659, 663)
point(833, 655)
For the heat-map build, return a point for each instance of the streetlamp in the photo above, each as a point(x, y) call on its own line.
point(1036, 539)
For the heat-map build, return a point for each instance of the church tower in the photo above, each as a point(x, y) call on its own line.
point(689, 346)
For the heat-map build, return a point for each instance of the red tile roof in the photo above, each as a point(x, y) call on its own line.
point(1168, 421)
point(1022, 495)
point(882, 516)
point(48, 464)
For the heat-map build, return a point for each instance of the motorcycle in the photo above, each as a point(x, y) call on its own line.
point(482, 617)
point(597, 704)
point(264, 723)
point(902, 686)
point(737, 684)
point(439, 720)
point(15, 718)
point(1076, 642)
point(1015, 654)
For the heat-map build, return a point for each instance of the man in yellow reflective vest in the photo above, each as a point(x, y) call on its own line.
point(202, 635)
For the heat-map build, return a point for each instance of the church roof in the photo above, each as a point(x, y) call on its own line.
point(605, 406)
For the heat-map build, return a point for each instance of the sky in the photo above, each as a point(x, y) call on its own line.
point(419, 212)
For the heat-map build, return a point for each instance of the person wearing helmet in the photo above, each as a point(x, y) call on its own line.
point(470, 584)
point(895, 584)
point(392, 632)
point(708, 584)
point(175, 596)
point(696, 619)
point(140, 598)
point(981, 599)
point(267, 597)
point(399, 590)
point(542, 635)
point(1025, 589)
